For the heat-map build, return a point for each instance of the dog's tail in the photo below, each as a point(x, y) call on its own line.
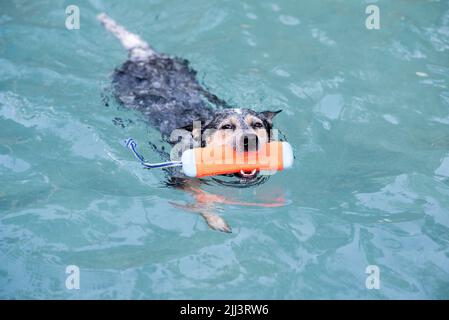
point(137, 48)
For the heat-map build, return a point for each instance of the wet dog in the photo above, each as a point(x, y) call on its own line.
point(165, 90)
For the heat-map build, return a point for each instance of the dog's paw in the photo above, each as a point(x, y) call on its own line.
point(216, 222)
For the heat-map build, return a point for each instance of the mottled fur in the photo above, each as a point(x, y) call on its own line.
point(165, 90)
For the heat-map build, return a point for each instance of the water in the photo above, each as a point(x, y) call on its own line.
point(367, 112)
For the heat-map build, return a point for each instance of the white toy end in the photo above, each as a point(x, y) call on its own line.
point(287, 155)
point(189, 163)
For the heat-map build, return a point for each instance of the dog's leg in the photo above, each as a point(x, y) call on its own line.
point(138, 49)
point(204, 206)
point(214, 221)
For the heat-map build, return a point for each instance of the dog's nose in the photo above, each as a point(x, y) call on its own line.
point(250, 142)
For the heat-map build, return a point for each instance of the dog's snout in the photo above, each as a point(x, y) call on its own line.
point(249, 142)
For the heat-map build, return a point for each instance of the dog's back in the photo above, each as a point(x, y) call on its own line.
point(164, 89)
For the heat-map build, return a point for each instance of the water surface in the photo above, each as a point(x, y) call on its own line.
point(367, 113)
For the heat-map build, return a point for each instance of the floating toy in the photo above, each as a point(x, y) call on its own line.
point(210, 161)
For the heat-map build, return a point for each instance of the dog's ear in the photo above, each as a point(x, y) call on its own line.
point(269, 115)
point(267, 118)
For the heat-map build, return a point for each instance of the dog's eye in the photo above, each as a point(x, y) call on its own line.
point(257, 125)
point(227, 127)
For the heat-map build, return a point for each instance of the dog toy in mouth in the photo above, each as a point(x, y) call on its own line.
point(210, 161)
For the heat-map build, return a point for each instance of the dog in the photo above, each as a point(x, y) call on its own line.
point(165, 90)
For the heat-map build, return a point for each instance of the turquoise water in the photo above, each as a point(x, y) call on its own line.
point(367, 113)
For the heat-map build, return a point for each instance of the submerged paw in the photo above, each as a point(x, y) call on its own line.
point(217, 223)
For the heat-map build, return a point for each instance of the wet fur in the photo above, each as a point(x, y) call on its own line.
point(165, 90)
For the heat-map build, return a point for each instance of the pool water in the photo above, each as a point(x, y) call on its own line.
point(366, 111)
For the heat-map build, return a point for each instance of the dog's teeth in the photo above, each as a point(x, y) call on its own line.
point(243, 173)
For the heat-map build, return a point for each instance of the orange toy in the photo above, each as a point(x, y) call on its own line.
point(210, 161)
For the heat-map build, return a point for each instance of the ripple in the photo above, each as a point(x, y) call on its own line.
point(281, 72)
point(421, 74)
point(400, 51)
point(439, 35)
point(330, 106)
point(289, 20)
point(251, 42)
point(391, 119)
point(251, 16)
point(395, 197)
point(366, 112)
point(322, 37)
point(14, 164)
point(443, 169)
point(275, 7)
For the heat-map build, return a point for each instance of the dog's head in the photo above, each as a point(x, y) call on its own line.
point(243, 129)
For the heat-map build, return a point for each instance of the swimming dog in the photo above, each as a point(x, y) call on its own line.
point(165, 90)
